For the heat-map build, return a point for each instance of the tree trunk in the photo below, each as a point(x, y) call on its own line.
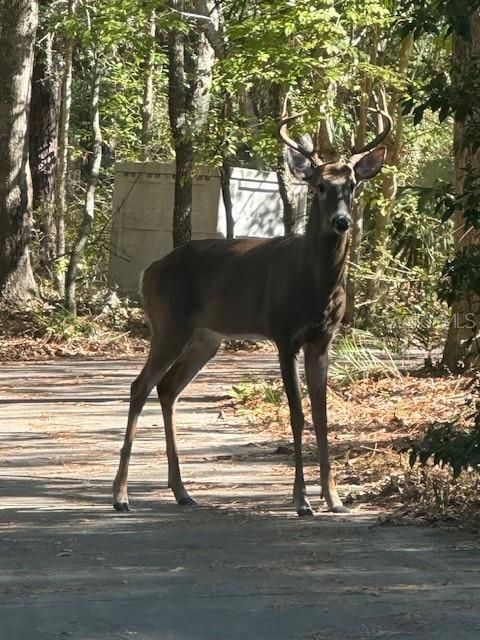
point(389, 178)
point(189, 81)
point(182, 208)
point(182, 137)
point(202, 81)
point(354, 261)
point(148, 92)
point(268, 100)
point(225, 175)
point(44, 114)
point(358, 208)
point(287, 193)
point(18, 23)
point(462, 348)
point(60, 196)
point(89, 207)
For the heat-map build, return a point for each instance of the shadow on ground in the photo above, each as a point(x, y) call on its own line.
point(242, 566)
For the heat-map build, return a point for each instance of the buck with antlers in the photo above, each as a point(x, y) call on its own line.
point(289, 290)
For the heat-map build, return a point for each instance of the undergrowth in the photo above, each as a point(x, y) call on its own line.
point(381, 421)
point(360, 356)
point(114, 327)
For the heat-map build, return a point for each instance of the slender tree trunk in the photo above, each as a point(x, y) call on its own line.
point(226, 168)
point(354, 254)
point(202, 69)
point(182, 209)
point(225, 175)
point(148, 91)
point(189, 81)
point(18, 23)
point(269, 102)
point(182, 137)
point(354, 261)
point(60, 196)
point(213, 30)
point(44, 145)
point(89, 207)
point(287, 193)
point(462, 347)
point(389, 179)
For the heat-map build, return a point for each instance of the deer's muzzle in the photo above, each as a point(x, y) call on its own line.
point(341, 223)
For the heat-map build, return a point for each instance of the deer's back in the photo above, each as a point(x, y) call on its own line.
point(237, 287)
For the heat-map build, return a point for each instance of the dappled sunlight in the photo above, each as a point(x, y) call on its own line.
point(242, 551)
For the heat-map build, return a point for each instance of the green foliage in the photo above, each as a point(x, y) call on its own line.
point(361, 356)
point(266, 391)
point(437, 17)
point(306, 48)
point(325, 54)
point(461, 275)
point(408, 312)
point(454, 444)
point(115, 32)
point(448, 443)
point(54, 323)
point(454, 92)
point(263, 42)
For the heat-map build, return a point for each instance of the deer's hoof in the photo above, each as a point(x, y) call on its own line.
point(186, 501)
point(305, 511)
point(121, 506)
point(339, 509)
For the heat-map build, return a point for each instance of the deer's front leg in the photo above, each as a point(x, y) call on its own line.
point(316, 368)
point(291, 382)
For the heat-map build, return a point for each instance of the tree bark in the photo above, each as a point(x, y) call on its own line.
point(354, 261)
point(202, 81)
point(462, 348)
point(89, 207)
point(60, 196)
point(18, 23)
point(44, 117)
point(189, 81)
point(287, 193)
point(225, 175)
point(182, 137)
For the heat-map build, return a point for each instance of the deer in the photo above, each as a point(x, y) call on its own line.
point(289, 290)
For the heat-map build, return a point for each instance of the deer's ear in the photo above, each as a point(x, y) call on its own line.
point(368, 165)
point(300, 166)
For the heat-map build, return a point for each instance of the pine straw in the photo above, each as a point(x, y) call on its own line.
point(37, 335)
point(105, 345)
point(371, 424)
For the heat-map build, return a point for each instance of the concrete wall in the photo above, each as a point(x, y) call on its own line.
point(143, 205)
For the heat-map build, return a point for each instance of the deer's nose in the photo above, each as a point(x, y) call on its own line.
point(341, 223)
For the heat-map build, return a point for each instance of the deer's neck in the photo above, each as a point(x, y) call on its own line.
point(326, 254)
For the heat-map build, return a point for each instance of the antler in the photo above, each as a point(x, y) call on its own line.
point(283, 135)
point(311, 155)
point(378, 138)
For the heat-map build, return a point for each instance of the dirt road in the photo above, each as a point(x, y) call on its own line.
point(240, 566)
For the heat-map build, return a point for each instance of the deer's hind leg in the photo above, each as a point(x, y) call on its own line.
point(164, 350)
point(201, 348)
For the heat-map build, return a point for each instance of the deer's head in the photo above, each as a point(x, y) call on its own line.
point(334, 183)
